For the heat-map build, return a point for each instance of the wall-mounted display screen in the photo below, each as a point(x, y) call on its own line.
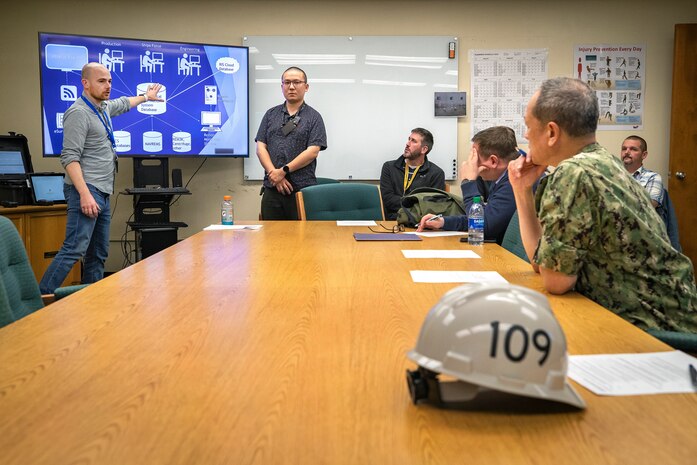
point(205, 89)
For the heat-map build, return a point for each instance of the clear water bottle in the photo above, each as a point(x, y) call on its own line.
point(475, 222)
point(226, 213)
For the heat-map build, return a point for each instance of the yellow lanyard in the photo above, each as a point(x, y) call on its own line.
point(408, 180)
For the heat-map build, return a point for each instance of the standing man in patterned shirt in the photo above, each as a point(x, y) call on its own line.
point(89, 159)
point(634, 152)
point(289, 139)
point(590, 227)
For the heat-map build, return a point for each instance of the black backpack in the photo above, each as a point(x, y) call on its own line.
point(425, 200)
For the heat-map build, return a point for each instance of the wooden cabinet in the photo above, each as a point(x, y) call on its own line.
point(42, 229)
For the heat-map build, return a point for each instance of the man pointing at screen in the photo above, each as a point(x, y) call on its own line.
point(89, 159)
point(289, 139)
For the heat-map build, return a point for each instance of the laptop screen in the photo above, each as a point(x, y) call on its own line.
point(47, 188)
point(11, 162)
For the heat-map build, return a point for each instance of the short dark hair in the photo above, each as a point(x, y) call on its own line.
point(426, 137)
point(497, 140)
point(570, 103)
point(642, 143)
point(295, 68)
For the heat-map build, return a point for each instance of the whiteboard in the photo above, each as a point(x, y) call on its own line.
point(370, 90)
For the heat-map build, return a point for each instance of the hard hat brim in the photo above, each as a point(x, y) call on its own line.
point(566, 395)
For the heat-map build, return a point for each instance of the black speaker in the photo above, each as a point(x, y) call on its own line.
point(152, 240)
point(177, 177)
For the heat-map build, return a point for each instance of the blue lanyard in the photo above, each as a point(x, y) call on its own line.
point(105, 122)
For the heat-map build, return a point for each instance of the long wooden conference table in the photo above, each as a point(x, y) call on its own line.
point(288, 346)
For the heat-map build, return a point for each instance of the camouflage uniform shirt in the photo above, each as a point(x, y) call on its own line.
point(599, 224)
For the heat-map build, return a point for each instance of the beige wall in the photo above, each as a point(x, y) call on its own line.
point(557, 26)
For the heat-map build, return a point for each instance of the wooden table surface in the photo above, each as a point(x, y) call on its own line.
point(288, 346)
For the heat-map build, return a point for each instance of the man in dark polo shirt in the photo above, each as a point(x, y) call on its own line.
point(289, 139)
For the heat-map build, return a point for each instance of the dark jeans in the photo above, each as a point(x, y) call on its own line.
point(276, 206)
point(84, 237)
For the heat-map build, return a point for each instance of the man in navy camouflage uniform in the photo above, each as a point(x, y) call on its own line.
point(590, 227)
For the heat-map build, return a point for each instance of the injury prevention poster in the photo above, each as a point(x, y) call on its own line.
point(617, 74)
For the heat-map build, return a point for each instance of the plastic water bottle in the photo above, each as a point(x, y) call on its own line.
point(475, 223)
point(226, 213)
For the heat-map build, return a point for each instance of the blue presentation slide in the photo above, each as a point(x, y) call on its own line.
point(205, 89)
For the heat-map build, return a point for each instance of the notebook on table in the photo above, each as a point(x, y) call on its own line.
point(386, 237)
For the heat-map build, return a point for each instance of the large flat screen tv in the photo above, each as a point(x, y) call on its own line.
point(205, 112)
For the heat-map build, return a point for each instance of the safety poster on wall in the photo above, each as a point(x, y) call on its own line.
point(617, 73)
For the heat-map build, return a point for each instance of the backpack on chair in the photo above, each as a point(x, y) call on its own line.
point(425, 200)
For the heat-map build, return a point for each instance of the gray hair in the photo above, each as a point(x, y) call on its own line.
point(570, 103)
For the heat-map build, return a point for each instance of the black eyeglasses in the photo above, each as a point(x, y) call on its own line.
point(294, 83)
point(394, 229)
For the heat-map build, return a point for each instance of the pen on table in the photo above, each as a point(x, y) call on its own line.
point(693, 375)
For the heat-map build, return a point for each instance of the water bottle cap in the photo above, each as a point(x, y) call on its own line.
point(227, 197)
point(476, 199)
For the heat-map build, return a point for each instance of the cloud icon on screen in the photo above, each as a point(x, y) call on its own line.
point(227, 65)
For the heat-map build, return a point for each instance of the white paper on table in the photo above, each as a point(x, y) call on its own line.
point(356, 223)
point(440, 233)
point(422, 276)
point(219, 227)
point(457, 253)
point(633, 374)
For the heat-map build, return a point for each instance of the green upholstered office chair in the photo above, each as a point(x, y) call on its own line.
point(687, 342)
point(327, 181)
point(319, 181)
point(512, 240)
point(19, 291)
point(340, 201)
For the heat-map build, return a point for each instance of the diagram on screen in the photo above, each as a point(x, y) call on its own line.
point(203, 108)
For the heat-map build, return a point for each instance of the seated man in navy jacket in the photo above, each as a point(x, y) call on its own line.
point(492, 150)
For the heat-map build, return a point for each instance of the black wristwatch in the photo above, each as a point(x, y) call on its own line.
point(286, 169)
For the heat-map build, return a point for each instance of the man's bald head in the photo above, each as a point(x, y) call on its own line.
point(89, 68)
point(96, 80)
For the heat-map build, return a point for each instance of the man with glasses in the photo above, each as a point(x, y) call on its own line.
point(590, 227)
point(289, 139)
point(409, 171)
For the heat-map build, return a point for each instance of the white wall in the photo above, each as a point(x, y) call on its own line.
point(557, 26)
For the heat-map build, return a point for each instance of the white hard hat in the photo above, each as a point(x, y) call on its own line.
point(491, 336)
